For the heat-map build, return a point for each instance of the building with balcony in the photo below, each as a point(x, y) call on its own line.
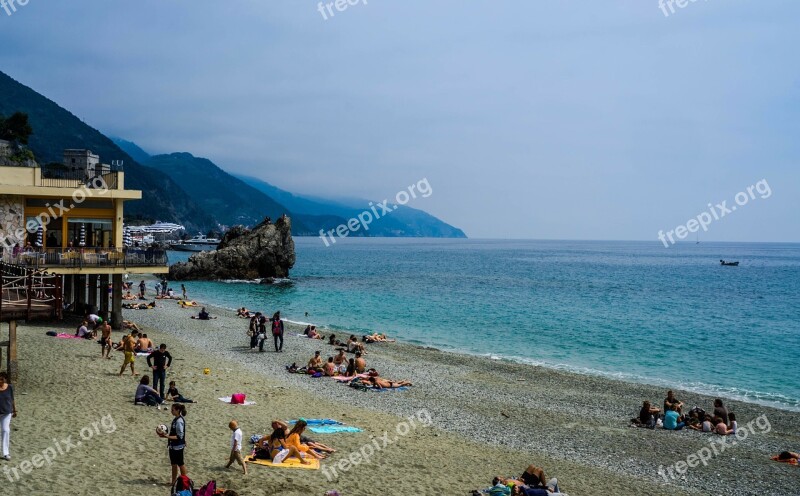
point(67, 219)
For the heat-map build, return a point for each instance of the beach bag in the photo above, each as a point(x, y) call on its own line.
point(276, 328)
point(208, 490)
point(237, 399)
point(183, 486)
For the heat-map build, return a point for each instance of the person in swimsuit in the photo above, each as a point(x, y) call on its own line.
point(382, 383)
point(128, 346)
point(105, 341)
point(279, 448)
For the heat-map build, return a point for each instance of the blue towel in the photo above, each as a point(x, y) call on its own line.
point(380, 390)
point(318, 422)
point(333, 429)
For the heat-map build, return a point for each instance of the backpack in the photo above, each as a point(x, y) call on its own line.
point(183, 486)
point(276, 327)
point(208, 490)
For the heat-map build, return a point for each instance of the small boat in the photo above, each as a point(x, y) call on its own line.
point(197, 243)
point(729, 264)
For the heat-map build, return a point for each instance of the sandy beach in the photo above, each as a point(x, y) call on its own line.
point(486, 418)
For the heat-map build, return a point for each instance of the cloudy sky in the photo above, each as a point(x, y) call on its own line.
point(529, 118)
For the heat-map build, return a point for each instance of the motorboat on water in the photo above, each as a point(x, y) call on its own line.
point(197, 243)
point(729, 264)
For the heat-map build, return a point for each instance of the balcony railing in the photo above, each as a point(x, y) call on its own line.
point(51, 258)
point(62, 178)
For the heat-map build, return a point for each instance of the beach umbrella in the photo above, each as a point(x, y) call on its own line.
point(39, 235)
point(82, 239)
point(126, 236)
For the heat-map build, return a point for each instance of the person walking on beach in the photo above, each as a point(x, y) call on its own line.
point(8, 410)
point(236, 447)
point(105, 341)
point(252, 331)
point(277, 332)
point(129, 346)
point(176, 441)
point(164, 287)
point(159, 361)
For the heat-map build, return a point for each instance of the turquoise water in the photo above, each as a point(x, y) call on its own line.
point(632, 310)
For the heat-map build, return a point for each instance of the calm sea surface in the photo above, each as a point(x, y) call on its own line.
point(631, 310)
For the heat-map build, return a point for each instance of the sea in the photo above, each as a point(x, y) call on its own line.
point(634, 311)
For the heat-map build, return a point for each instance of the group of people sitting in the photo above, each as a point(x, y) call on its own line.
point(283, 444)
point(353, 370)
point(147, 395)
point(311, 332)
point(720, 422)
point(532, 482)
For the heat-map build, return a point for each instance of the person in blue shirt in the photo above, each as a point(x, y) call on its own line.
point(672, 420)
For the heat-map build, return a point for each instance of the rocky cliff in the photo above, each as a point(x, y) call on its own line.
point(266, 251)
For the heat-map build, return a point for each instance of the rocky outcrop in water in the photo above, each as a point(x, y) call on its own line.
point(265, 251)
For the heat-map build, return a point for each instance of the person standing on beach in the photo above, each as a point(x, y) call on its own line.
point(277, 332)
point(8, 410)
point(252, 332)
point(183, 290)
point(142, 288)
point(176, 441)
point(129, 346)
point(164, 287)
point(105, 341)
point(236, 447)
point(159, 361)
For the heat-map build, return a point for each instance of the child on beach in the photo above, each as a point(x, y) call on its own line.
point(236, 446)
point(174, 395)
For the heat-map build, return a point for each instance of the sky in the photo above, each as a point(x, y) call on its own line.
point(529, 118)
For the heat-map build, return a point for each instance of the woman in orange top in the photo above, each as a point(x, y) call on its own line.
point(293, 440)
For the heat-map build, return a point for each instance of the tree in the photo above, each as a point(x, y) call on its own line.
point(15, 128)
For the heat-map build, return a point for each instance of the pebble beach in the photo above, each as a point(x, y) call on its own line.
point(486, 418)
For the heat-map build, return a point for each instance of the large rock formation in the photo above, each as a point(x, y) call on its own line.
point(266, 251)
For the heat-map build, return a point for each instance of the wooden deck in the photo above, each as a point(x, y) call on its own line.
point(27, 294)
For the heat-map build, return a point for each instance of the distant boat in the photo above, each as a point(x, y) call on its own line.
point(729, 264)
point(197, 243)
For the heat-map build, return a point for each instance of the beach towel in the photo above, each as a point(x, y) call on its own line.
point(290, 463)
point(227, 399)
point(317, 422)
point(61, 335)
point(380, 390)
point(333, 429)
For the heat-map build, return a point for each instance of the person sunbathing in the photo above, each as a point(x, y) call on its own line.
point(378, 338)
point(127, 324)
point(144, 344)
point(330, 368)
point(244, 313)
point(353, 345)
point(293, 440)
point(315, 364)
point(787, 457)
point(129, 296)
point(313, 334)
point(381, 383)
point(277, 444)
point(340, 361)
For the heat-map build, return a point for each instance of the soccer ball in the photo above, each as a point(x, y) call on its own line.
point(161, 430)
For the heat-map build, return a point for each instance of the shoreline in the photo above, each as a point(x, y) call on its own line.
point(560, 416)
point(704, 390)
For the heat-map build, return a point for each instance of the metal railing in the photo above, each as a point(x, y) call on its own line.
point(63, 178)
point(28, 294)
point(89, 258)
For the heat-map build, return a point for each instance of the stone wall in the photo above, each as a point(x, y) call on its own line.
point(12, 218)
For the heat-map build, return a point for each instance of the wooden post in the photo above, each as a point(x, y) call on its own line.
point(11, 367)
point(104, 296)
point(93, 306)
point(116, 302)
